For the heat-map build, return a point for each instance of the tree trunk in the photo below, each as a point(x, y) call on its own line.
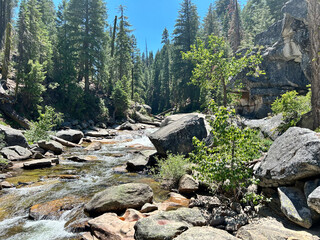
point(86, 50)
point(314, 29)
point(6, 58)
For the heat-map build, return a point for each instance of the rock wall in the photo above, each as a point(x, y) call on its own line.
point(286, 61)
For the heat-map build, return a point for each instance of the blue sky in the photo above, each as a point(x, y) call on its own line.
point(149, 17)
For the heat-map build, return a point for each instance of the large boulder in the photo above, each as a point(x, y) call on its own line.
point(53, 146)
point(187, 184)
point(293, 156)
point(16, 153)
point(137, 163)
point(70, 135)
point(314, 200)
point(205, 233)
point(167, 225)
point(177, 137)
point(294, 206)
point(13, 137)
point(119, 198)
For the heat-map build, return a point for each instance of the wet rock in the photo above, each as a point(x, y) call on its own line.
point(167, 225)
point(49, 154)
point(132, 215)
point(73, 136)
point(314, 200)
point(16, 153)
point(108, 227)
point(6, 184)
point(119, 198)
point(82, 158)
point(53, 209)
point(81, 225)
point(37, 155)
point(271, 229)
point(101, 133)
point(148, 207)
point(42, 163)
point(95, 146)
point(137, 163)
point(68, 177)
point(53, 146)
point(129, 126)
point(188, 184)
point(293, 156)
point(13, 137)
point(177, 136)
point(88, 236)
point(205, 233)
point(294, 206)
point(268, 126)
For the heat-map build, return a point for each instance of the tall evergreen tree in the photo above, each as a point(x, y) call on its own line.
point(185, 33)
point(275, 7)
point(222, 11)
point(6, 12)
point(7, 52)
point(210, 24)
point(234, 31)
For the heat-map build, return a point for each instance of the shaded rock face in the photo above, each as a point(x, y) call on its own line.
point(177, 137)
point(53, 146)
point(119, 198)
point(70, 135)
point(16, 153)
point(293, 156)
point(13, 137)
point(286, 61)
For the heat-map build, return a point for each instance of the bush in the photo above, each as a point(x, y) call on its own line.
point(225, 163)
point(171, 169)
point(292, 108)
point(47, 120)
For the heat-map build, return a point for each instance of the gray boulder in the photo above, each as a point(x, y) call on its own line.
point(43, 163)
point(13, 137)
point(268, 126)
point(167, 225)
point(53, 146)
point(148, 207)
point(16, 153)
point(314, 200)
point(137, 163)
point(293, 156)
point(294, 206)
point(297, 9)
point(177, 137)
point(70, 135)
point(119, 198)
point(187, 184)
point(205, 233)
point(310, 186)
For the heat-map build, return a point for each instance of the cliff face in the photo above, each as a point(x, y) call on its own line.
point(286, 61)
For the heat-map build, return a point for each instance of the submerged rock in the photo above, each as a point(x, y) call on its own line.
point(119, 198)
point(293, 156)
point(176, 137)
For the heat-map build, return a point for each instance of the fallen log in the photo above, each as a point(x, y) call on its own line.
point(64, 142)
point(156, 124)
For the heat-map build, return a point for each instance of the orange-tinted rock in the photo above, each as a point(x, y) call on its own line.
point(140, 147)
point(108, 226)
point(53, 209)
point(174, 202)
point(94, 146)
point(132, 215)
point(88, 236)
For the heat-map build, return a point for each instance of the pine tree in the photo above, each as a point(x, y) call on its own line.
point(185, 33)
point(222, 11)
point(137, 74)
point(156, 83)
point(234, 31)
point(7, 51)
point(275, 7)
point(6, 10)
point(210, 24)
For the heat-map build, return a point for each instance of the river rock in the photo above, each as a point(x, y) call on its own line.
point(70, 135)
point(53, 146)
point(139, 117)
point(208, 202)
point(132, 215)
point(42, 163)
point(177, 137)
point(167, 225)
point(95, 146)
point(129, 126)
point(188, 184)
point(271, 229)
point(6, 184)
point(148, 207)
point(119, 198)
point(294, 206)
point(16, 153)
point(109, 227)
point(205, 233)
point(101, 133)
point(137, 163)
point(293, 156)
point(310, 186)
point(82, 158)
point(314, 200)
point(268, 126)
point(13, 137)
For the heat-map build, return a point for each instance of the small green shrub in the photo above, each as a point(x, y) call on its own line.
point(226, 162)
point(292, 106)
point(47, 120)
point(4, 164)
point(2, 142)
point(171, 169)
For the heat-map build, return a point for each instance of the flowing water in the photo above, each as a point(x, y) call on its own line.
point(93, 176)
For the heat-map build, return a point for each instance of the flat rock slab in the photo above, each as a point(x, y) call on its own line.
point(205, 233)
point(293, 156)
point(294, 206)
point(167, 225)
point(271, 229)
point(70, 135)
point(16, 153)
point(119, 198)
point(101, 133)
point(42, 163)
point(314, 200)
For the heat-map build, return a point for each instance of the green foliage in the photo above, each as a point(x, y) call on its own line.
point(172, 168)
point(225, 162)
point(292, 107)
point(2, 142)
point(104, 111)
point(47, 120)
point(4, 164)
point(214, 68)
point(120, 100)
